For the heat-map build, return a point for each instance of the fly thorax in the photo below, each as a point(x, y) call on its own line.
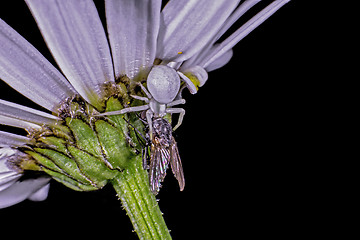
point(162, 129)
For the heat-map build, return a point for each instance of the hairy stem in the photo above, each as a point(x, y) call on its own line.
point(132, 187)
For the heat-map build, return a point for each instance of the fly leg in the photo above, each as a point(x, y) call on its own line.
point(145, 157)
point(149, 116)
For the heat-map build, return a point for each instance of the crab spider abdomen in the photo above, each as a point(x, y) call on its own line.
point(163, 83)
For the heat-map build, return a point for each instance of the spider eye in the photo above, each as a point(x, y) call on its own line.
point(163, 83)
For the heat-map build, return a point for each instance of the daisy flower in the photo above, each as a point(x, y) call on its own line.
point(82, 144)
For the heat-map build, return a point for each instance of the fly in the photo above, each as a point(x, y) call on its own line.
point(163, 151)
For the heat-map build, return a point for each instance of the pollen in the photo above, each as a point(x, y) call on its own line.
point(180, 52)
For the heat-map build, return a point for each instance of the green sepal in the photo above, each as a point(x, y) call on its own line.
point(85, 136)
point(114, 144)
point(122, 89)
point(55, 143)
point(69, 182)
point(62, 131)
point(92, 167)
point(59, 175)
point(121, 121)
point(113, 104)
point(29, 165)
point(45, 162)
point(65, 163)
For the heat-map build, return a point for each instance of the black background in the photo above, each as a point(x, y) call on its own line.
point(244, 143)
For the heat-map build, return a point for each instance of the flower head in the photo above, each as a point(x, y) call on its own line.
point(98, 74)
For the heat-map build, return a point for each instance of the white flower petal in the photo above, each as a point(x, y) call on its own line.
point(243, 31)
point(5, 172)
point(10, 179)
point(5, 152)
point(41, 194)
point(27, 71)
point(133, 28)
point(12, 140)
point(7, 175)
point(189, 84)
point(188, 25)
point(76, 38)
point(220, 61)
point(20, 191)
point(243, 8)
point(17, 123)
point(20, 116)
point(198, 72)
point(202, 55)
point(7, 178)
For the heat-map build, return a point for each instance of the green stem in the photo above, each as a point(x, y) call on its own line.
point(132, 187)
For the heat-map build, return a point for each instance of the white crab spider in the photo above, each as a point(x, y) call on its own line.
point(163, 85)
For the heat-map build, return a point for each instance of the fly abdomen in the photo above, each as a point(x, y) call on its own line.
point(164, 152)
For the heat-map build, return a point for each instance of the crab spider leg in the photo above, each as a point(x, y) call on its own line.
point(145, 99)
point(181, 117)
point(190, 85)
point(126, 110)
point(176, 102)
point(145, 91)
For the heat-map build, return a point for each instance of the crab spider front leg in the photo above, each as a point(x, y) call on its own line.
point(145, 90)
point(126, 110)
point(176, 102)
point(181, 117)
point(176, 110)
point(145, 99)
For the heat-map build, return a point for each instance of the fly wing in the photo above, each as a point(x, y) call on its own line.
point(159, 162)
point(176, 165)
